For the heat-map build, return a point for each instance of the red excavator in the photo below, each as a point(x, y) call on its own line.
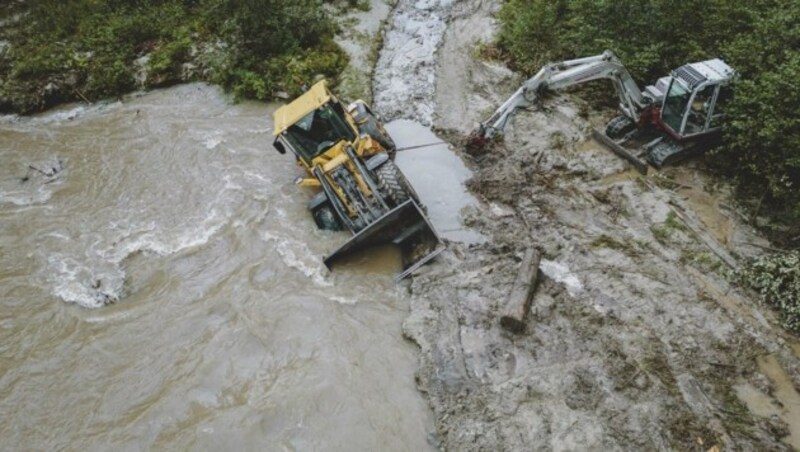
point(677, 117)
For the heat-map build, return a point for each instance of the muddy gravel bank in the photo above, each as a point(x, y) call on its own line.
point(636, 339)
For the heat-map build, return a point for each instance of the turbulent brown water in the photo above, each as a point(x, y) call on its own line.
point(165, 289)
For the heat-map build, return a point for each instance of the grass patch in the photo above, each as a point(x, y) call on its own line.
point(606, 241)
point(660, 232)
point(705, 261)
point(666, 230)
point(674, 223)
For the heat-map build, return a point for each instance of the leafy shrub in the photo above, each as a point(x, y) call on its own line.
point(88, 47)
point(777, 279)
point(166, 60)
point(762, 134)
point(530, 32)
point(277, 45)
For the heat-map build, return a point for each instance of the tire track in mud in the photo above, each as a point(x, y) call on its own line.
point(464, 85)
point(405, 74)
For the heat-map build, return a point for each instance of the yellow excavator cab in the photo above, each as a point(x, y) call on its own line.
point(287, 115)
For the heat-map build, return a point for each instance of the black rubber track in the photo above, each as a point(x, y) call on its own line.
point(619, 127)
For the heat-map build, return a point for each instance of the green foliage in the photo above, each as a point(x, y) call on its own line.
point(666, 229)
point(530, 31)
point(278, 45)
point(760, 38)
point(268, 28)
point(166, 59)
point(660, 232)
point(651, 37)
point(70, 49)
point(673, 222)
point(762, 133)
point(777, 279)
point(289, 73)
point(108, 77)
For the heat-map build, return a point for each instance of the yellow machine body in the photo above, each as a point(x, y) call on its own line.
point(346, 154)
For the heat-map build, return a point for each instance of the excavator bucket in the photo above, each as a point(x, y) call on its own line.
point(405, 226)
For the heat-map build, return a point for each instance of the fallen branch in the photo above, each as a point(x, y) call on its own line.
point(80, 94)
point(31, 167)
point(519, 300)
point(705, 237)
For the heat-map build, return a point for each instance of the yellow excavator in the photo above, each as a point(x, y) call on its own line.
point(348, 159)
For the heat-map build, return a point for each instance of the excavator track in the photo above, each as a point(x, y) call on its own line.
point(667, 151)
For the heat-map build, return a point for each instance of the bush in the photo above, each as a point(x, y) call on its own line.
point(166, 60)
point(277, 45)
point(762, 134)
point(87, 48)
point(777, 279)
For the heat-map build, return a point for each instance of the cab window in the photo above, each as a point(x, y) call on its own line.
point(319, 130)
point(724, 97)
point(675, 104)
point(700, 109)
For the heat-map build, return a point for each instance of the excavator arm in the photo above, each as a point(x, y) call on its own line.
point(556, 76)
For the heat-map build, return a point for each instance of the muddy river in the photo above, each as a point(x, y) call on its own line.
point(161, 287)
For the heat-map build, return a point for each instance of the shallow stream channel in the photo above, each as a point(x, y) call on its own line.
point(161, 286)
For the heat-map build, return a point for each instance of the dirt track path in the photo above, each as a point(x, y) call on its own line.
point(455, 100)
point(636, 340)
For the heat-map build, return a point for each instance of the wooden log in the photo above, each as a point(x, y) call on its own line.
point(521, 296)
point(620, 151)
point(704, 236)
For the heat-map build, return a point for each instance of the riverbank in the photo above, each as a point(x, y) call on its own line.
point(53, 52)
point(637, 338)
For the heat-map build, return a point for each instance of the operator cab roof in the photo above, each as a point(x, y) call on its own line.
point(309, 101)
point(714, 70)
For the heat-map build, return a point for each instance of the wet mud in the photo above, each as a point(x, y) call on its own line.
point(636, 339)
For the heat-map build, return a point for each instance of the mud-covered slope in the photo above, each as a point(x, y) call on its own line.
point(636, 339)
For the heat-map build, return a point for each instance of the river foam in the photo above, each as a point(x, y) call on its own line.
point(98, 277)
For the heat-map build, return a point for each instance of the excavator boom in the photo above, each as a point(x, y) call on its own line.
point(556, 76)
